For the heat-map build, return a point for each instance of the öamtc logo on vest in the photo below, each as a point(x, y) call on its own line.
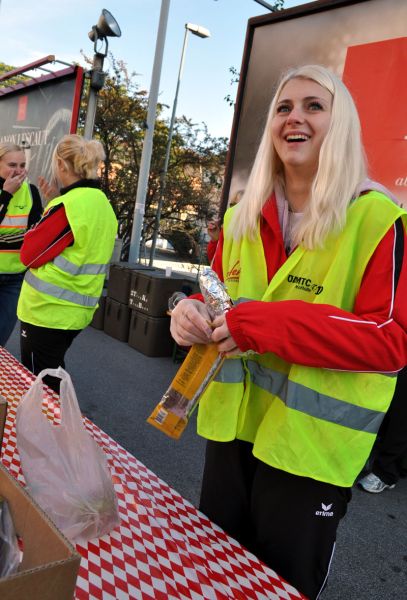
point(306, 284)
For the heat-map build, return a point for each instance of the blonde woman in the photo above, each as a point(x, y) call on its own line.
point(20, 209)
point(313, 256)
point(67, 254)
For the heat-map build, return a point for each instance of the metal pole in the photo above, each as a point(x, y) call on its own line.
point(266, 5)
point(142, 185)
point(96, 74)
point(168, 151)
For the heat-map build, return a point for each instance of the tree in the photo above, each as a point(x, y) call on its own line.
point(193, 186)
point(195, 169)
point(12, 81)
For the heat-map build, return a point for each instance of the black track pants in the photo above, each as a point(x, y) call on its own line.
point(289, 522)
point(391, 446)
point(44, 348)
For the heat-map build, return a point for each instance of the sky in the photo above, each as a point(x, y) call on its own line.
point(31, 31)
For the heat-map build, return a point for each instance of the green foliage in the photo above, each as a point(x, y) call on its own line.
point(277, 5)
point(195, 169)
point(12, 81)
point(184, 243)
point(235, 79)
point(5, 68)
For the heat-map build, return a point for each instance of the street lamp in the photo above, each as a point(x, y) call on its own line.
point(201, 32)
point(107, 26)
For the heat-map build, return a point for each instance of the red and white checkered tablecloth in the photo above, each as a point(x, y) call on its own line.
point(164, 549)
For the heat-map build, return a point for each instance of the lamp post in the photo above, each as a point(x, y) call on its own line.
point(107, 26)
point(145, 162)
point(201, 32)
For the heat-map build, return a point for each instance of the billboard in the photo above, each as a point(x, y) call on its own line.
point(380, 93)
point(347, 36)
point(36, 113)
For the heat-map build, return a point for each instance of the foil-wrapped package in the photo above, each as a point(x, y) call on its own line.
point(214, 292)
point(200, 366)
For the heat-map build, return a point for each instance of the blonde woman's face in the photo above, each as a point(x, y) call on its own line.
point(12, 164)
point(300, 124)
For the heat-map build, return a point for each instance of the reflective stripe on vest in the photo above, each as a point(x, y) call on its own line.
point(231, 372)
point(13, 225)
point(309, 421)
point(59, 292)
point(69, 267)
point(241, 300)
point(15, 222)
point(63, 293)
point(302, 398)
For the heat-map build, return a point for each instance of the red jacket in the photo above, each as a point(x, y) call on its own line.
point(372, 338)
point(53, 233)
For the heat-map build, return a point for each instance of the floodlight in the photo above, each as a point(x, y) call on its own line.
point(198, 30)
point(107, 26)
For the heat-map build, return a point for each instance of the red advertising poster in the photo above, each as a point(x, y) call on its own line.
point(22, 108)
point(363, 41)
point(375, 75)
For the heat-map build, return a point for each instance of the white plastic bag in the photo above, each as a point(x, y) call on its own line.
point(65, 470)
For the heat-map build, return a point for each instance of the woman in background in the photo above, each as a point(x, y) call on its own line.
point(20, 209)
point(67, 254)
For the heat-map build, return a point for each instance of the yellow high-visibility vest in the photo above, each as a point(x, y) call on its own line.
point(15, 221)
point(64, 293)
point(312, 422)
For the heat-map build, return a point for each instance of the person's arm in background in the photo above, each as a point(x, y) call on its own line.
point(214, 233)
point(211, 249)
point(51, 235)
point(36, 209)
point(5, 198)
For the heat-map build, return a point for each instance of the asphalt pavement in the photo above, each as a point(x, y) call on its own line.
point(118, 387)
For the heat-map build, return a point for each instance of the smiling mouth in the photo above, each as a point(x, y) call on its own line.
point(297, 137)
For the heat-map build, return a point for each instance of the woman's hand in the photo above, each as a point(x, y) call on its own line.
point(190, 323)
point(13, 182)
point(49, 191)
point(221, 336)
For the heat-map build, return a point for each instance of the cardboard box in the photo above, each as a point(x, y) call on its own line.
point(50, 563)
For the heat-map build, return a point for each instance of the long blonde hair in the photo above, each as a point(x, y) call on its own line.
point(341, 168)
point(81, 155)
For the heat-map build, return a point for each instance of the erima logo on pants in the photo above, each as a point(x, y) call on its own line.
point(325, 512)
